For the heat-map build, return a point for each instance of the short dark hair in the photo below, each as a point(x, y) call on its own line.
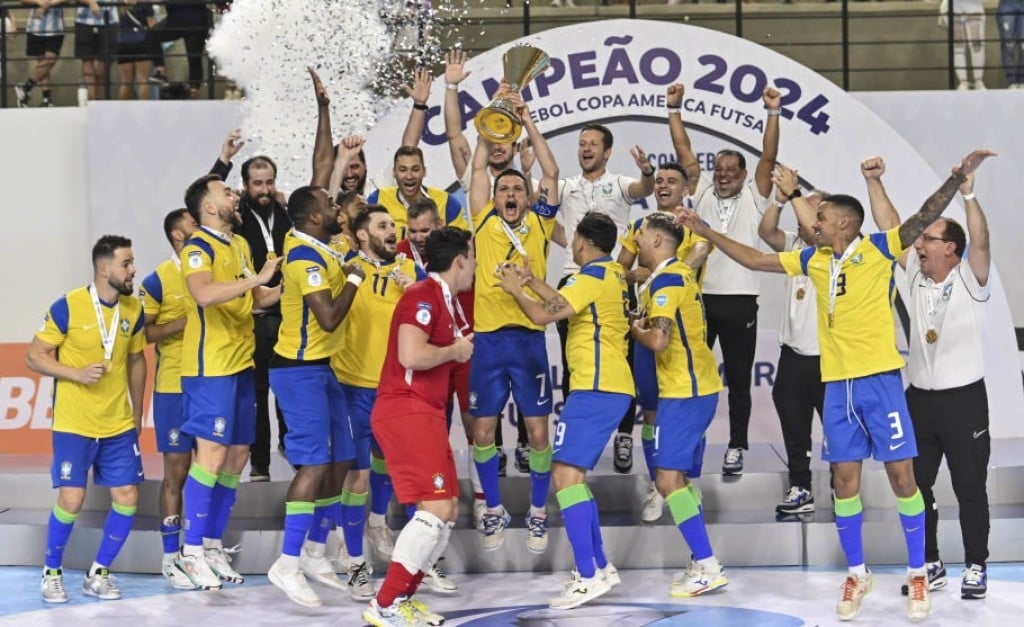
point(953, 232)
point(675, 167)
point(259, 161)
point(302, 203)
point(509, 172)
point(848, 204)
point(408, 151)
point(361, 185)
point(345, 197)
point(598, 229)
point(666, 225)
point(729, 152)
point(196, 193)
point(105, 246)
point(363, 219)
point(606, 135)
point(422, 205)
point(172, 220)
point(444, 245)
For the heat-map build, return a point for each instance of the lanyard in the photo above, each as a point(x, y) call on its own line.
point(268, 239)
point(936, 294)
point(458, 322)
point(416, 256)
point(513, 238)
point(835, 269)
point(107, 334)
point(726, 210)
point(317, 244)
point(647, 284)
point(177, 261)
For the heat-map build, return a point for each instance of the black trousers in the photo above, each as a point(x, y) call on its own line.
point(266, 326)
point(194, 33)
point(954, 423)
point(797, 392)
point(732, 319)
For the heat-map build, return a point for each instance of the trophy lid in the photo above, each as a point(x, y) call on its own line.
point(522, 64)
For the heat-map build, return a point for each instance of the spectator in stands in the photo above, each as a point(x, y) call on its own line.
point(188, 20)
point(135, 51)
point(1010, 15)
point(95, 43)
point(45, 36)
point(968, 28)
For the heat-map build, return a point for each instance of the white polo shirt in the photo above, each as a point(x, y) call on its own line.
point(738, 217)
point(799, 329)
point(953, 310)
point(608, 194)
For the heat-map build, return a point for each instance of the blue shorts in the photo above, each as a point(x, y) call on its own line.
point(679, 429)
point(115, 461)
point(221, 409)
point(507, 360)
point(645, 376)
point(867, 417)
point(316, 414)
point(168, 417)
point(360, 404)
point(588, 419)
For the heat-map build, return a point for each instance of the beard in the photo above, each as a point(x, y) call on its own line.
point(333, 227)
point(380, 249)
point(124, 288)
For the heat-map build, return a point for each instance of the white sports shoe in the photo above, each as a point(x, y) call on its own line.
point(398, 614)
point(293, 584)
point(198, 571)
point(341, 559)
point(699, 579)
point(437, 580)
point(479, 509)
point(101, 584)
point(52, 586)
point(319, 569)
point(174, 575)
point(423, 614)
point(579, 591)
point(854, 591)
point(654, 506)
point(537, 541)
point(382, 541)
point(360, 588)
point(494, 526)
point(919, 604)
point(220, 562)
point(610, 575)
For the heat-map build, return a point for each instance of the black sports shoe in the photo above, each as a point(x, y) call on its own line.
point(623, 460)
point(936, 577)
point(523, 458)
point(259, 474)
point(502, 463)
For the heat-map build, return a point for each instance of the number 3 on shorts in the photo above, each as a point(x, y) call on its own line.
point(895, 425)
point(559, 434)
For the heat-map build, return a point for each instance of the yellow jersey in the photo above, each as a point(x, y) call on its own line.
point(690, 239)
point(596, 346)
point(307, 268)
point(687, 368)
point(492, 307)
point(163, 295)
point(367, 324)
point(340, 244)
point(862, 339)
point(100, 410)
point(452, 213)
point(218, 340)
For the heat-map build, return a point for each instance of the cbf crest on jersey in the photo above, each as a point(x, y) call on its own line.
point(219, 424)
point(173, 436)
point(125, 327)
point(65, 469)
point(438, 482)
point(661, 299)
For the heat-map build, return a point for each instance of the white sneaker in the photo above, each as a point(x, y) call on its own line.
point(610, 575)
point(398, 614)
point(654, 506)
point(579, 591)
point(854, 591)
point(319, 569)
point(424, 615)
point(382, 541)
point(479, 509)
point(699, 579)
point(52, 586)
point(360, 588)
point(963, 86)
point(919, 604)
point(437, 580)
point(537, 541)
point(341, 560)
point(293, 584)
point(198, 571)
point(220, 562)
point(494, 526)
point(979, 84)
point(174, 575)
point(101, 584)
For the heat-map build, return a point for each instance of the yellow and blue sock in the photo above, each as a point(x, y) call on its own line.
point(849, 521)
point(298, 517)
point(912, 518)
point(595, 533)
point(196, 494)
point(685, 508)
point(222, 500)
point(115, 533)
point(647, 440)
point(323, 519)
point(540, 476)
point(486, 460)
point(575, 503)
point(353, 514)
point(170, 530)
point(57, 533)
point(381, 489)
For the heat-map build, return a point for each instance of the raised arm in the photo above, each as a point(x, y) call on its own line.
point(744, 255)
point(480, 187)
point(645, 186)
point(882, 210)
point(346, 151)
point(551, 308)
point(209, 293)
point(654, 334)
point(419, 91)
point(323, 146)
point(454, 73)
point(979, 254)
point(933, 207)
point(787, 182)
point(232, 144)
point(680, 140)
point(770, 142)
point(547, 189)
point(768, 229)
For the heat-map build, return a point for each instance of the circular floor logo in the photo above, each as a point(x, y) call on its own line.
point(620, 615)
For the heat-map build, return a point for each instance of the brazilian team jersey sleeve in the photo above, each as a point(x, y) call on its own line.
point(365, 328)
point(690, 240)
point(451, 211)
point(163, 295)
point(861, 340)
point(687, 368)
point(493, 308)
point(219, 339)
point(307, 269)
point(102, 409)
point(596, 346)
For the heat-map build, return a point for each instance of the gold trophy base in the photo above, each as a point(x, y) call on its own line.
point(498, 125)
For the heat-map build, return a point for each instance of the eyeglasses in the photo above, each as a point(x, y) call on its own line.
point(932, 238)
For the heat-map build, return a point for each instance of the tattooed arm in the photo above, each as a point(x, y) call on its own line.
point(912, 228)
point(654, 333)
point(551, 308)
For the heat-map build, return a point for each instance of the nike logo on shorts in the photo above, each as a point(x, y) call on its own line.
point(893, 447)
point(978, 434)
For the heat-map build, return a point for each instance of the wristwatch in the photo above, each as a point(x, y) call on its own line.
point(796, 194)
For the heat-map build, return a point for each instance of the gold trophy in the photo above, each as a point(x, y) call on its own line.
point(498, 122)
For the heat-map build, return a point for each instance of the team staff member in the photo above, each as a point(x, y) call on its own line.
point(91, 343)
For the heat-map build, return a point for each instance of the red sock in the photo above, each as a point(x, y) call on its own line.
point(414, 583)
point(396, 583)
